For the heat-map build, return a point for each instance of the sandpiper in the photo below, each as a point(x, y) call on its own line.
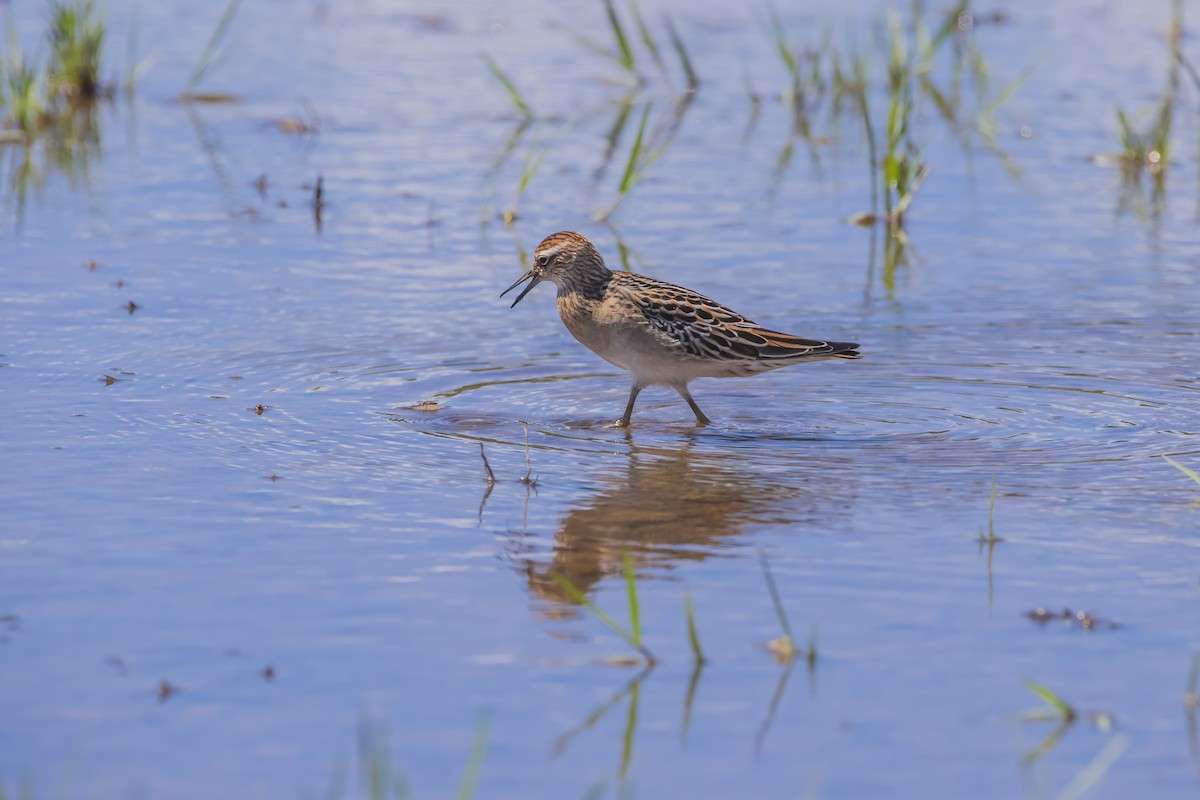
point(661, 334)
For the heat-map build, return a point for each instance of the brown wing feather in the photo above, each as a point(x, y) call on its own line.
point(706, 329)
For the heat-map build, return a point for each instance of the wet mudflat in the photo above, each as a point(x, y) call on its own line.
point(249, 546)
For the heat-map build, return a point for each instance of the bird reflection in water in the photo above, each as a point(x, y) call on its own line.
point(668, 507)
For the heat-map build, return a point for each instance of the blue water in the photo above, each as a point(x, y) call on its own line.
point(334, 569)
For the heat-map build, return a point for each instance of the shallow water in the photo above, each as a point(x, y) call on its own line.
point(336, 567)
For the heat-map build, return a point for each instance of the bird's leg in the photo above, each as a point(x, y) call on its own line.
point(686, 395)
point(633, 393)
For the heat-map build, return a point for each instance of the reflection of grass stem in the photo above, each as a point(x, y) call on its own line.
point(688, 699)
point(1190, 698)
point(479, 745)
point(1090, 775)
point(378, 779)
point(693, 82)
point(209, 56)
point(776, 699)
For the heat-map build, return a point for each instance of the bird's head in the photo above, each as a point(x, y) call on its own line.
point(562, 258)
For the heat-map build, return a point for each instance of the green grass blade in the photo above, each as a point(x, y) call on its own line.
point(531, 165)
point(644, 33)
point(693, 635)
point(1189, 472)
point(624, 51)
point(779, 38)
point(635, 617)
point(631, 166)
point(1130, 140)
point(579, 597)
point(783, 620)
point(598, 48)
point(514, 94)
point(1050, 698)
point(207, 57)
point(949, 25)
point(479, 746)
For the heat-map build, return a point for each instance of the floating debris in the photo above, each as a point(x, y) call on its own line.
point(1072, 619)
point(165, 690)
point(863, 219)
point(209, 98)
point(292, 125)
point(783, 648)
point(131, 307)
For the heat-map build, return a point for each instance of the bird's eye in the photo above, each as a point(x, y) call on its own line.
point(543, 261)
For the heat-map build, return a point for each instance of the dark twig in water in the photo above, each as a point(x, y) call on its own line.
point(491, 476)
point(527, 480)
point(318, 202)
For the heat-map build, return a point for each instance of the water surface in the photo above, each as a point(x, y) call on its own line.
point(233, 489)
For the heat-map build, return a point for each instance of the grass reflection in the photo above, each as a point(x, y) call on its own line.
point(630, 693)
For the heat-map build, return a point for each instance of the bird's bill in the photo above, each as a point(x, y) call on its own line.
point(536, 279)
